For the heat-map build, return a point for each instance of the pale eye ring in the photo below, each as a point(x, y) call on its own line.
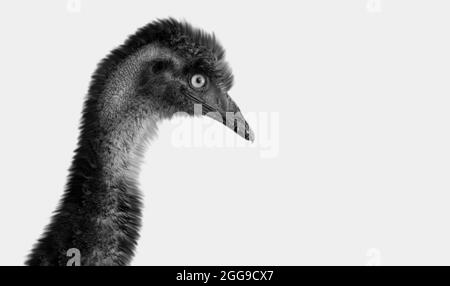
point(198, 81)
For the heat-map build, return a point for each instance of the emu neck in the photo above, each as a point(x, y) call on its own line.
point(100, 212)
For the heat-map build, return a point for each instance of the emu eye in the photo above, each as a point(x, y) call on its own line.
point(198, 81)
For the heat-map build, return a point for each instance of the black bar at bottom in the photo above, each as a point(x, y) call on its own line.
point(207, 275)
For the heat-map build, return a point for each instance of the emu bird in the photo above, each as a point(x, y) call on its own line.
point(166, 67)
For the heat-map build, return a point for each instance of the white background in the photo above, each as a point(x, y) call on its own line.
point(361, 175)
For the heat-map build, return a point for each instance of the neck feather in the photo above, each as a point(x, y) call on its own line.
point(100, 211)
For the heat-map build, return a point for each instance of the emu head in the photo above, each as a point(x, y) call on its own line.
point(172, 68)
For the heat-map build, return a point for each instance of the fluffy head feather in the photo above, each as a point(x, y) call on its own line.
point(179, 37)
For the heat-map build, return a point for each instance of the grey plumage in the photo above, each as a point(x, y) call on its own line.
point(164, 68)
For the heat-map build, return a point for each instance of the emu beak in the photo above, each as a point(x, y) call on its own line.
point(221, 107)
point(233, 118)
point(225, 110)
